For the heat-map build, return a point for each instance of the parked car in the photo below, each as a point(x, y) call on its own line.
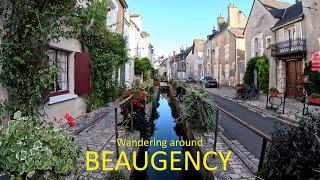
point(208, 82)
point(190, 79)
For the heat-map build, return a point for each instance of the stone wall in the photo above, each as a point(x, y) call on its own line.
point(259, 23)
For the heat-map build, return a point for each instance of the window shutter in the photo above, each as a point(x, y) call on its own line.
point(82, 73)
point(298, 32)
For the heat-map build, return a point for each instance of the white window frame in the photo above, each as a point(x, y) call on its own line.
point(268, 43)
point(227, 52)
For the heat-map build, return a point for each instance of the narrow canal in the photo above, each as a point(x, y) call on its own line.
point(165, 129)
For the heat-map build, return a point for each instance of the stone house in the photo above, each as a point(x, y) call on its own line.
point(289, 51)
point(228, 48)
point(181, 63)
point(194, 60)
point(311, 25)
point(207, 55)
point(282, 31)
point(258, 34)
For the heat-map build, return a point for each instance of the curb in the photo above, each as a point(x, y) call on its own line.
point(279, 117)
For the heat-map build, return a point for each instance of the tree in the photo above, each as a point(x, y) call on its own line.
point(261, 65)
point(142, 65)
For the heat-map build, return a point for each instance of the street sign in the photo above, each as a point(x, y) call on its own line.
point(315, 61)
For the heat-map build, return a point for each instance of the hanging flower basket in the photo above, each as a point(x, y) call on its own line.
point(314, 99)
point(273, 92)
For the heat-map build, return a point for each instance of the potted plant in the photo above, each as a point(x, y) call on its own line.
point(273, 92)
point(314, 98)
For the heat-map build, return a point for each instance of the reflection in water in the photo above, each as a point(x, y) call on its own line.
point(165, 128)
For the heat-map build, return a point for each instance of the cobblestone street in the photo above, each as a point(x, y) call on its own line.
point(101, 137)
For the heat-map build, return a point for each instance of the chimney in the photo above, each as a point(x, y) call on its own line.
point(214, 30)
point(221, 22)
point(298, 1)
point(236, 18)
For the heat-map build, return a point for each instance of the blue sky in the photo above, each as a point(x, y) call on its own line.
point(173, 23)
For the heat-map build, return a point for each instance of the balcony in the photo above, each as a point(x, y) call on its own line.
point(289, 47)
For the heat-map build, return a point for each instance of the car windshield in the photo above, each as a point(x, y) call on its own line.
point(209, 78)
point(190, 77)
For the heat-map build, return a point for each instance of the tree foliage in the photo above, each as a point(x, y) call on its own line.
point(142, 65)
point(261, 65)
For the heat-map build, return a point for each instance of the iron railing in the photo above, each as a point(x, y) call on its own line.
point(292, 46)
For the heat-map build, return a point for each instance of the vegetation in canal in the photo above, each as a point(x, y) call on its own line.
point(298, 151)
point(201, 114)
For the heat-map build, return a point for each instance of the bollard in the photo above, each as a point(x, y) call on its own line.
point(116, 129)
point(263, 152)
point(216, 131)
point(131, 103)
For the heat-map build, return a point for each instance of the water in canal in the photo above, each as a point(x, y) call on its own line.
point(165, 128)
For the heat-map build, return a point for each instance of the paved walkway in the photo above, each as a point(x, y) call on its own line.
point(293, 108)
point(100, 136)
point(238, 165)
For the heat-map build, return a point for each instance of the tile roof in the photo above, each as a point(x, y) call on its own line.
point(293, 12)
point(276, 8)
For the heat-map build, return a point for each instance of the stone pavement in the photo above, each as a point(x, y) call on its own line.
point(293, 108)
point(101, 136)
point(241, 164)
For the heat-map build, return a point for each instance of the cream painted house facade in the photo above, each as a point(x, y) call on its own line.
point(63, 97)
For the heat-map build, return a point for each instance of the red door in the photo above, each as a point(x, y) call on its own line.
point(293, 86)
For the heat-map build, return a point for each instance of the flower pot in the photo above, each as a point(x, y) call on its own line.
point(274, 93)
point(314, 100)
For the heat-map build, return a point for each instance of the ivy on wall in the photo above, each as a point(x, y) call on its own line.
point(261, 65)
point(108, 52)
point(28, 28)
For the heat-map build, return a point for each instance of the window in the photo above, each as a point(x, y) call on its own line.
point(226, 52)
point(216, 51)
point(208, 51)
point(60, 60)
point(268, 42)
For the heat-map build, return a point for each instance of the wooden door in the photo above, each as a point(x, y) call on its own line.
point(294, 73)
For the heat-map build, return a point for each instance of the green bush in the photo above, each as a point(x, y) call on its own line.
point(200, 115)
point(108, 52)
point(262, 66)
point(314, 81)
point(28, 148)
point(295, 153)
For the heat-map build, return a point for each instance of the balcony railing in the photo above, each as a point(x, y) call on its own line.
point(293, 46)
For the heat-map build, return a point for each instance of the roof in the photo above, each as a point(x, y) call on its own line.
point(292, 13)
point(238, 32)
point(124, 3)
point(276, 8)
